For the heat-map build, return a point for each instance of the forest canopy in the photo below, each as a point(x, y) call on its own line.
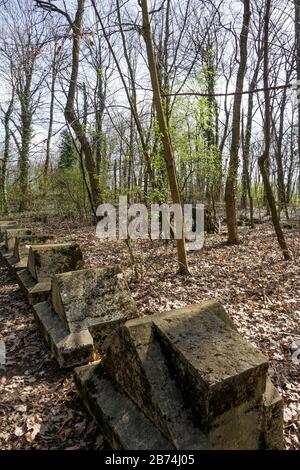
point(172, 101)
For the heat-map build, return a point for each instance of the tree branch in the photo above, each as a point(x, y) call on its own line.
point(50, 7)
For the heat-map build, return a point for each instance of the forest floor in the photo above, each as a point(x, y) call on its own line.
point(39, 405)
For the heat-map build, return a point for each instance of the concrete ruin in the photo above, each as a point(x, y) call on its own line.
point(183, 379)
point(10, 235)
point(84, 310)
point(4, 225)
point(19, 257)
point(43, 262)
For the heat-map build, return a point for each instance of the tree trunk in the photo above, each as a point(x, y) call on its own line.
point(70, 113)
point(297, 34)
point(230, 189)
point(167, 144)
point(248, 136)
point(6, 152)
point(131, 94)
point(278, 156)
point(51, 114)
point(100, 98)
point(26, 135)
point(262, 161)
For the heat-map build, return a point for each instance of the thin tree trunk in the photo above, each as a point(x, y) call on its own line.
point(262, 161)
point(278, 156)
point(167, 144)
point(99, 110)
point(131, 95)
point(230, 189)
point(51, 114)
point(244, 195)
point(248, 137)
point(297, 34)
point(70, 113)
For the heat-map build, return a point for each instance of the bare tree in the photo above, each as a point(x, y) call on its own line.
point(262, 161)
point(230, 190)
point(70, 111)
point(246, 177)
point(7, 114)
point(167, 144)
point(297, 55)
point(21, 47)
point(56, 59)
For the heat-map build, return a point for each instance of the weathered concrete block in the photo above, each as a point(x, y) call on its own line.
point(218, 367)
point(264, 414)
point(19, 259)
point(239, 428)
point(34, 291)
point(43, 262)
point(70, 349)
point(17, 265)
point(193, 377)
point(23, 243)
point(150, 383)
point(6, 224)
point(7, 249)
point(93, 297)
point(88, 303)
point(46, 260)
point(12, 234)
point(124, 425)
point(272, 434)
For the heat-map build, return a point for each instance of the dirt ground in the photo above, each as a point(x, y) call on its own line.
point(39, 406)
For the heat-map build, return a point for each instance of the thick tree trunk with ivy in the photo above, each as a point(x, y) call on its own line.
point(6, 153)
point(262, 161)
point(24, 91)
point(230, 189)
point(214, 179)
point(26, 136)
point(166, 139)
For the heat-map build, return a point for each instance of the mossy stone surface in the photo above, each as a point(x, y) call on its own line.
point(92, 296)
point(46, 260)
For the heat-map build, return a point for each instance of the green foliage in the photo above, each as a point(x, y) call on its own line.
point(157, 195)
point(197, 153)
point(68, 156)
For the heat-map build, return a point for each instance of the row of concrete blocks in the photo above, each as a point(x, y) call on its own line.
point(181, 379)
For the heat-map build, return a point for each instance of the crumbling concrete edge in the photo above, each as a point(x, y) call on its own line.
point(123, 424)
point(69, 349)
point(34, 291)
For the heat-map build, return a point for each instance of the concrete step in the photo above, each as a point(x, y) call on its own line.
point(178, 421)
point(145, 376)
point(122, 422)
point(70, 349)
point(34, 291)
point(218, 369)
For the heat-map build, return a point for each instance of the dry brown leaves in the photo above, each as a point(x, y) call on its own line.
point(260, 291)
point(39, 406)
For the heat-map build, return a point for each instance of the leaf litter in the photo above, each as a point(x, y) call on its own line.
point(40, 408)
